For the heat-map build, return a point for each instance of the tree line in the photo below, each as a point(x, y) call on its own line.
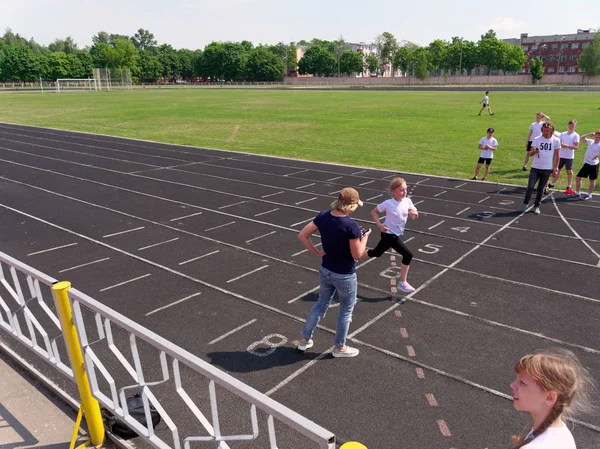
point(26, 60)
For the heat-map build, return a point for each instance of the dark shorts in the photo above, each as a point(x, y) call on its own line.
point(588, 170)
point(529, 146)
point(487, 160)
point(485, 105)
point(567, 163)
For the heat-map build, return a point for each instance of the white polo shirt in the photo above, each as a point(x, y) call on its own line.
point(568, 139)
point(593, 151)
point(553, 438)
point(396, 214)
point(536, 130)
point(488, 154)
point(544, 159)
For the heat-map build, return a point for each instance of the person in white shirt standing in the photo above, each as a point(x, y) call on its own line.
point(590, 165)
point(569, 142)
point(549, 385)
point(535, 129)
point(487, 145)
point(486, 103)
point(545, 150)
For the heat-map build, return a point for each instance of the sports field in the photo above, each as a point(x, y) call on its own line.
point(412, 131)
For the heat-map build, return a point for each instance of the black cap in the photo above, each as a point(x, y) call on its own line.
point(490, 130)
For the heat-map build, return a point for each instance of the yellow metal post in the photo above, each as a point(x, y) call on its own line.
point(89, 404)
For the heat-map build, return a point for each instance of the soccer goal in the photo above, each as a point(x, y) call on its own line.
point(113, 79)
point(76, 84)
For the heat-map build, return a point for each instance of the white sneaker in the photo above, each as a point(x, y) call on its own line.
point(586, 197)
point(349, 352)
point(405, 287)
point(304, 345)
point(536, 210)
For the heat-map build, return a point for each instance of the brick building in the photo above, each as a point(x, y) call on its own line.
point(559, 52)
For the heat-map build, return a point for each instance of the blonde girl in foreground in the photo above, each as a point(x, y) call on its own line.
point(549, 385)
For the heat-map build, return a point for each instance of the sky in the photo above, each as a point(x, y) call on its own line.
point(193, 24)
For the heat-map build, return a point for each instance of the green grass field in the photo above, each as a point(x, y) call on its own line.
point(414, 131)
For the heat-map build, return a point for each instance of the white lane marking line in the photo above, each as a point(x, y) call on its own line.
point(296, 172)
point(231, 205)
point(486, 198)
point(300, 222)
point(573, 230)
point(418, 202)
point(307, 185)
point(422, 180)
point(304, 250)
point(460, 185)
point(306, 201)
point(365, 183)
point(408, 239)
point(358, 172)
point(334, 179)
point(335, 191)
point(503, 188)
point(272, 194)
point(247, 274)
point(51, 249)
point(373, 197)
point(441, 193)
point(186, 216)
point(220, 226)
point(157, 244)
point(465, 209)
point(84, 265)
point(233, 331)
point(122, 232)
point(260, 237)
point(435, 225)
point(173, 303)
point(126, 282)
point(267, 212)
point(199, 257)
point(302, 295)
point(295, 374)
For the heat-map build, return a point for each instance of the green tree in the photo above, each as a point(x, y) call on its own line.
point(438, 50)
point(422, 63)
point(211, 63)
point(125, 56)
point(143, 39)
point(405, 57)
point(338, 47)
point(514, 58)
point(264, 65)
point(66, 45)
point(169, 61)
point(186, 63)
point(490, 51)
point(59, 66)
point(18, 63)
point(10, 38)
point(317, 61)
point(387, 46)
point(234, 61)
point(151, 68)
point(102, 37)
point(372, 64)
point(292, 57)
point(102, 55)
point(589, 60)
point(470, 56)
point(351, 62)
point(80, 64)
point(536, 67)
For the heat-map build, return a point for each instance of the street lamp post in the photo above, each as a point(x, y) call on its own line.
point(560, 53)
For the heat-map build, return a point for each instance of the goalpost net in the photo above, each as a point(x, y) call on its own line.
point(113, 79)
point(75, 84)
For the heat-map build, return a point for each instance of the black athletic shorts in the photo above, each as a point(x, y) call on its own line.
point(485, 105)
point(487, 160)
point(567, 163)
point(588, 170)
point(529, 146)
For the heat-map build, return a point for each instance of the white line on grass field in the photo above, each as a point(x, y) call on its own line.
point(220, 226)
point(51, 249)
point(260, 237)
point(122, 232)
point(84, 265)
point(464, 210)
point(186, 216)
point(231, 332)
point(157, 244)
point(267, 212)
point(247, 274)
point(272, 194)
point(307, 185)
point(173, 304)
point(125, 282)
point(306, 201)
point(199, 257)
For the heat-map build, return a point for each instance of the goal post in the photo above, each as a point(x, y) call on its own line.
point(76, 84)
point(113, 79)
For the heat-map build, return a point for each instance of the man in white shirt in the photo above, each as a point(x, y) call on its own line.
point(569, 142)
point(486, 103)
point(487, 145)
point(590, 164)
point(535, 129)
point(545, 150)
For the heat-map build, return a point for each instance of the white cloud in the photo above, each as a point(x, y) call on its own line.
point(509, 25)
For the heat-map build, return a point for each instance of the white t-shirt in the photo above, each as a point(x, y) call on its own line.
point(593, 151)
point(396, 214)
point(553, 438)
point(536, 130)
point(486, 99)
point(568, 139)
point(544, 159)
point(488, 154)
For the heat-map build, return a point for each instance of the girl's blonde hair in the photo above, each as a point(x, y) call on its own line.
point(396, 182)
point(557, 370)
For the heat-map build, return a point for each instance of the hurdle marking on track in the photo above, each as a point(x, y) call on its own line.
point(365, 183)
point(307, 185)
point(199, 257)
point(464, 210)
point(486, 198)
point(435, 225)
point(422, 180)
point(247, 274)
point(403, 332)
point(418, 202)
point(260, 237)
point(441, 193)
point(157, 244)
point(334, 179)
point(267, 212)
point(125, 282)
point(420, 373)
point(84, 265)
point(460, 185)
point(231, 205)
point(358, 172)
point(173, 304)
point(431, 400)
point(444, 428)
point(273, 194)
point(186, 216)
point(220, 226)
point(296, 172)
point(51, 249)
point(233, 331)
point(303, 295)
point(122, 232)
point(411, 351)
point(373, 197)
point(306, 201)
point(300, 222)
point(304, 250)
